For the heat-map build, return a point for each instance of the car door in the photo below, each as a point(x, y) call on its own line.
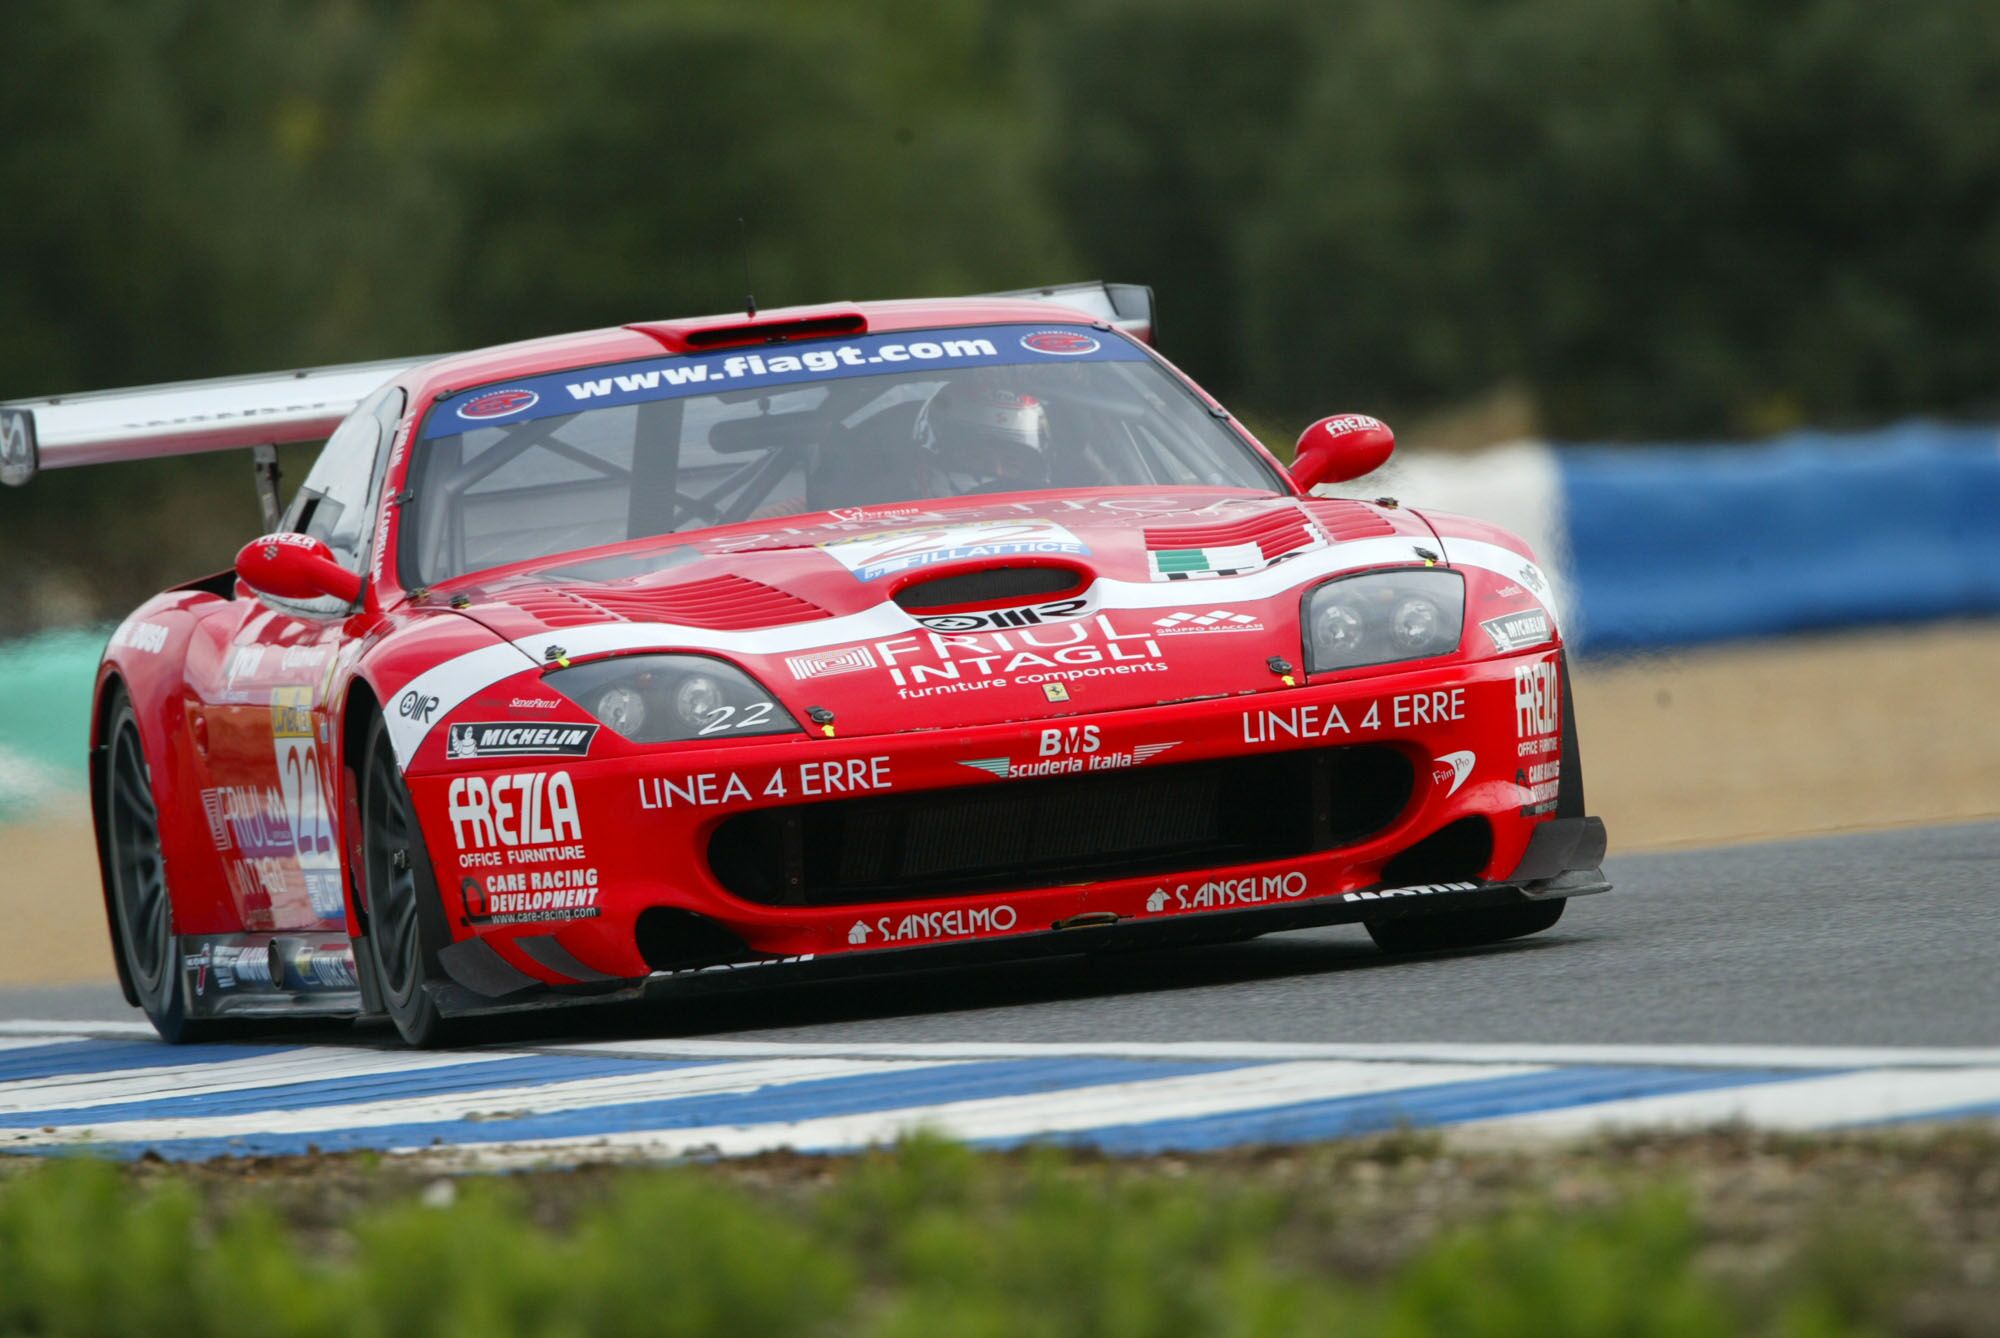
point(270, 790)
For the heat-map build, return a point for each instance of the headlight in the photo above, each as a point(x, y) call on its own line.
point(1383, 616)
point(669, 698)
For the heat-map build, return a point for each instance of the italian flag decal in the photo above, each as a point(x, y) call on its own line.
point(1186, 564)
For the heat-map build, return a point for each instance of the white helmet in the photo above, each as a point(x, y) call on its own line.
point(993, 433)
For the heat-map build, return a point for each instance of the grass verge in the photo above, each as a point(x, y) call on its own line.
point(1723, 1234)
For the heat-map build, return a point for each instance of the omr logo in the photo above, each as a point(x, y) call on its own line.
point(498, 404)
point(1060, 343)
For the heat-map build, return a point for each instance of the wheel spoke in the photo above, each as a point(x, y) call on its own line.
point(145, 911)
point(137, 802)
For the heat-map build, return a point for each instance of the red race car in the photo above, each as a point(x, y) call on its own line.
point(893, 632)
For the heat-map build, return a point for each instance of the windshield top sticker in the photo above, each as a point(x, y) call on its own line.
point(556, 393)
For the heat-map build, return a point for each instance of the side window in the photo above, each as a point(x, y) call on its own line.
point(336, 502)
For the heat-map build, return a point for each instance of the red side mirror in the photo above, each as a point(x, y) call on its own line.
point(1342, 447)
point(295, 566)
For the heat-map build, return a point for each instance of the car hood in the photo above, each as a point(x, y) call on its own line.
point(989, 610)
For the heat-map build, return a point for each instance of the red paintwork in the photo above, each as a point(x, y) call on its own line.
point(296, 567)
point(247, 708)
point(1342, 447)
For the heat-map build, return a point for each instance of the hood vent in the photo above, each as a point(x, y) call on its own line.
point(559, 608)
point(1344, 519)
point(1275, 534)
point(725, 603)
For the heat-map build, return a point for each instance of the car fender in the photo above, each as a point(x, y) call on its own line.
point(146, 657)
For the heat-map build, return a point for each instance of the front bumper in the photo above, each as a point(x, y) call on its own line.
point(595, 898)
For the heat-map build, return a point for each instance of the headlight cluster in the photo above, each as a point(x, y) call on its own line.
point(671, 698)
point(1383, 616)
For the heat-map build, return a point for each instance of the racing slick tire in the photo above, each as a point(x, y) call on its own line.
point(406, 924)
point(1465, 929)
point(135, 876)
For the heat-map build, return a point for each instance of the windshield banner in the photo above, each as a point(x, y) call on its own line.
point(759, 365)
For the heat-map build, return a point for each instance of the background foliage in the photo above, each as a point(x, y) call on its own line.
point(1647, 217)
point(932, 1239)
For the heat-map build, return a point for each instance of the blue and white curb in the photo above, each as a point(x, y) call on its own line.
point(105, 1088)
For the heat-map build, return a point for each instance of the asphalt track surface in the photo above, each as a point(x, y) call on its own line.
point(1881, 939)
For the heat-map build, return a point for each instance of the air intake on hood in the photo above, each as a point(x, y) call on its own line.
point(989, 585)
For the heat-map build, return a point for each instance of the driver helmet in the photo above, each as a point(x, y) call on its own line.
point(989, 431)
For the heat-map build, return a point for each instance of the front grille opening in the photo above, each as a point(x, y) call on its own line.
point(1075, 828)
point(1455, 853)
point(1367, 788)
point(671, 939)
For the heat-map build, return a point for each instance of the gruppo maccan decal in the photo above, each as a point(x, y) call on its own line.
point(885, 631)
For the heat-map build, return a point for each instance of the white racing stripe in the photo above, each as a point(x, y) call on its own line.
point(36, 1042)
point(306, 1065)
point(1807, 1103)
point(459, 678)
point(1667, 1056)
point(48, 1031)
point(487, 1103)
point(1146, 1101)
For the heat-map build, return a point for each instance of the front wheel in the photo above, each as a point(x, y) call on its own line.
point(136, 873)
point(1464, 929)
point(406, 925)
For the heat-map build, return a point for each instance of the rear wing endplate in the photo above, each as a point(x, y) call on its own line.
point(1126, 306)
point(273, 408)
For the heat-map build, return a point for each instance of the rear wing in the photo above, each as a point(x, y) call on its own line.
point(183, 417)
point(1127, 306)
point(272, 408)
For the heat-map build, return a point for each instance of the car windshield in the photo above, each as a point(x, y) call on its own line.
point(593, 456)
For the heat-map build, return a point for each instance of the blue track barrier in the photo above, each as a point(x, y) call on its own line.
point(1670, 545)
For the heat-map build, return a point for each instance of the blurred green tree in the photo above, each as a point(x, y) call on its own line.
point(598, 157)
point(1661, 216)
point(1648, 217)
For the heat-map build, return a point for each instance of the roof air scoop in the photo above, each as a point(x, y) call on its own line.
point(697, 336)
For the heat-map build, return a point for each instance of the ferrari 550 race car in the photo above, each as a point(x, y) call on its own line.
point(882, 632)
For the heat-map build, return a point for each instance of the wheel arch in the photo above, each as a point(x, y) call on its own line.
point(358, 709)
point(110, 689)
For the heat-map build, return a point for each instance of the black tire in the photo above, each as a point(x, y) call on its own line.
point(1464, 929)
point(406, 924)
point(135, 875)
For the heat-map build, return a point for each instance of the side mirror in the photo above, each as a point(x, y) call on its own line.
point(295, 566)
point(1339, 448)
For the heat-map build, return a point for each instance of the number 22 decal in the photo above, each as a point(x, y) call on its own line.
point(726, 717)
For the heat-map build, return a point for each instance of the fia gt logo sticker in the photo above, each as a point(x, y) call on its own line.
point(498, 404)
point(1060, 343)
